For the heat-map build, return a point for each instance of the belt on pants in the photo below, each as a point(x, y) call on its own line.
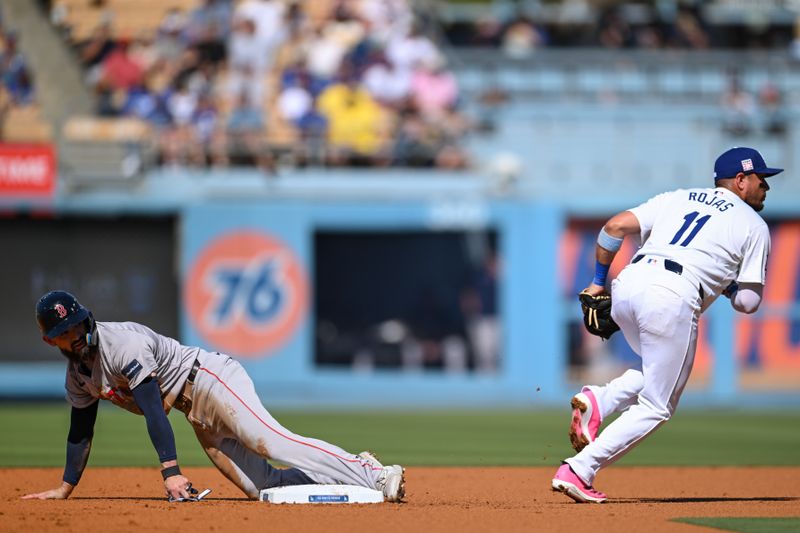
point(672, 266)
point(184, 401)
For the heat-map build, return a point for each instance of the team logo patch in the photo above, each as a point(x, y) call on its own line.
point(747, 164)
point(61, 310)
point(133, 368)
point(246, 293)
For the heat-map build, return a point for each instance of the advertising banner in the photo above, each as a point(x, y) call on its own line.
point(27, 170)
point(247, 292)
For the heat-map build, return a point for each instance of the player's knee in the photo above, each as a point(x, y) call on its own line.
point(658, 412)
point(660, 415)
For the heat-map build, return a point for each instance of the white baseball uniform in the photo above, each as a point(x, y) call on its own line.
point(232, 425)
point(696, 241)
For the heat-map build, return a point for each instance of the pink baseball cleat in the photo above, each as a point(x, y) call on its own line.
point(585, 419)
point(569, 483)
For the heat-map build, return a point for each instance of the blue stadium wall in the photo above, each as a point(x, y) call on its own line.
point(235, 254)
point(282, 364)
point(546, 218)
point(536, 304)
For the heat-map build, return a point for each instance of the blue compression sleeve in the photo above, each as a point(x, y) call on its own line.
point(148, 398)
point(79, 442)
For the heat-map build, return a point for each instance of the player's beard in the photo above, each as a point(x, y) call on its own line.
point(757, 198)
point(84, 355)
point(757, 205)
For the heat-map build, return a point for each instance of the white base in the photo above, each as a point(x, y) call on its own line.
point(321, 494)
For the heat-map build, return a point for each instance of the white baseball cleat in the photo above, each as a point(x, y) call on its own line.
point(392, 481)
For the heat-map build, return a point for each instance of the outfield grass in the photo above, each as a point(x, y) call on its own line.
point(747, 525)
point(34, 435)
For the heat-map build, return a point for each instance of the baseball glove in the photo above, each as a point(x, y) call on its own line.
point(597, 314)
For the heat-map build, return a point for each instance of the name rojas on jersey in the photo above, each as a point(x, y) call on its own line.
point(713, 199)
point(712, 233)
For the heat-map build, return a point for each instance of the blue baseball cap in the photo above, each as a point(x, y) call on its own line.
point(742, 159)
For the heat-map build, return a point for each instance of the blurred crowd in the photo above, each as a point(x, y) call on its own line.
point(746, 113)
point(672, 24)
point(330, 83)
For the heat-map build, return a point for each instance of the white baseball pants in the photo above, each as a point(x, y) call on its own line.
point(657, 311)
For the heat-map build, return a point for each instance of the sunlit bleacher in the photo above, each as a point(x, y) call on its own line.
point(139, 57)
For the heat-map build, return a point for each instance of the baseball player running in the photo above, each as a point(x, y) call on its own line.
point(148, 374)
point(697, 244)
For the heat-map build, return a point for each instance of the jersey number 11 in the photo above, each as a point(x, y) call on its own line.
point(687, 221)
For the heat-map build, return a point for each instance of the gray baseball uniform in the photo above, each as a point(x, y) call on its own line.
point(232, 425)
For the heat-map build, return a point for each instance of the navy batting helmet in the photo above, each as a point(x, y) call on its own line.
point(57, 311)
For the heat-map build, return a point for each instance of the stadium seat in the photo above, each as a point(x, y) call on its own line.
point(26, 125)
point(88, 128)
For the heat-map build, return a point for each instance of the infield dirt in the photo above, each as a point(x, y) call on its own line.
point(437, 499)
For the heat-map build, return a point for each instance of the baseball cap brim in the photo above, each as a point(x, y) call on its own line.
point(768, 172)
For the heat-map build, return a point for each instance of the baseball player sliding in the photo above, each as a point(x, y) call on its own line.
point(697, 244)
point(148, 374)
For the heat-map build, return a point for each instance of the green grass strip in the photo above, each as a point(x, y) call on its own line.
point(747, 525)
point(35, 435)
